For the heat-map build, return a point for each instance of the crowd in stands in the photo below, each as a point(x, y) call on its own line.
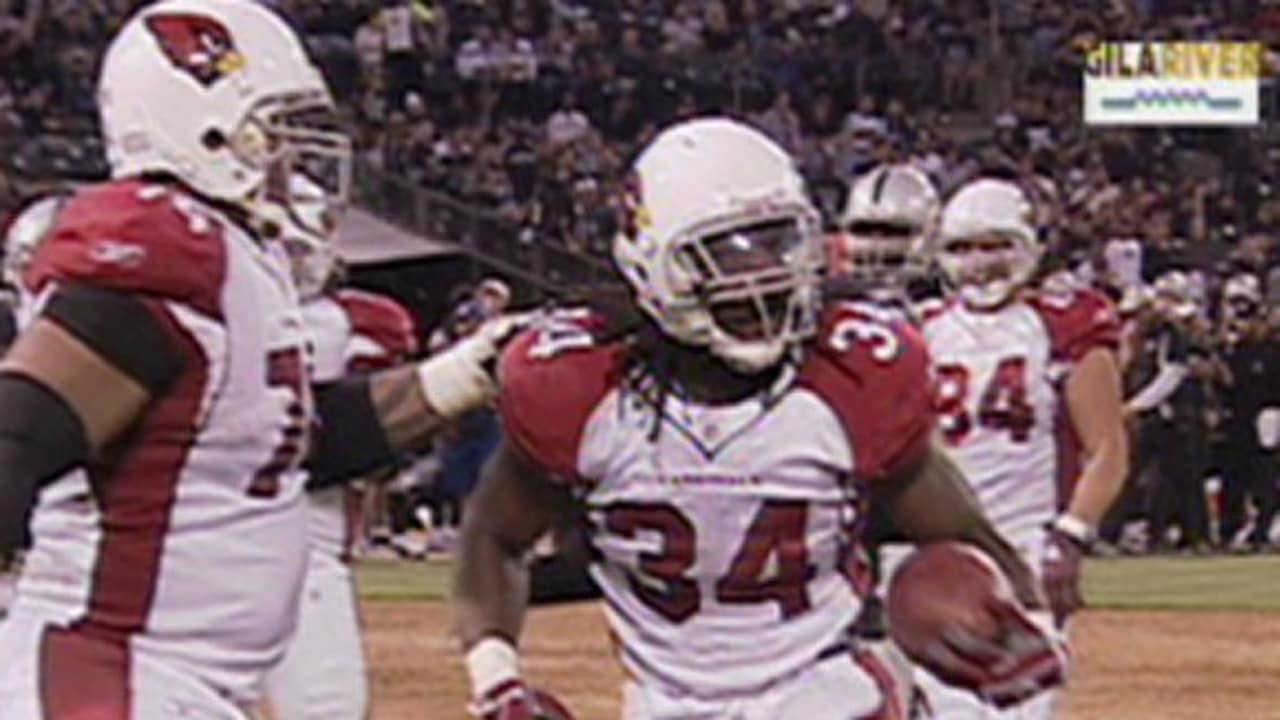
point(527, 110)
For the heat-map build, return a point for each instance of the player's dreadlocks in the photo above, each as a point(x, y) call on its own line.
point(653, 361)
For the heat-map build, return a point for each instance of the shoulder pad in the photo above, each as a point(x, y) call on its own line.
point(873, 371)
point(137, 237)
point(552, 378)
point(1078, 321)
point(932, 309)
point(383, 321)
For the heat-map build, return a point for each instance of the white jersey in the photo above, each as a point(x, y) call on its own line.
point(350, 331)
point(186, 540)
point(999, 398)
point(728, 542)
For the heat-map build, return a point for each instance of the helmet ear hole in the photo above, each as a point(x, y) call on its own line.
point(213, 140)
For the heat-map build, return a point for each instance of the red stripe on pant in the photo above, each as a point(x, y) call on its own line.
point(83, 677)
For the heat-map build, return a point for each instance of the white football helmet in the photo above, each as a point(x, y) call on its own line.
point(309, 243)
point(987, 244)
point(1173, 294)
point(721, 244)
point(220, 94)
point(1241, 297)
point(1243, 287)
point(888, 217)
point(24, 236)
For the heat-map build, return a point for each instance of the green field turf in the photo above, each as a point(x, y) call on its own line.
point(1185, 583)
point(1174, 583)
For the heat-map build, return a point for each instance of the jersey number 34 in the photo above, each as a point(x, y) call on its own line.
point(1003, 405)
point(777, 532)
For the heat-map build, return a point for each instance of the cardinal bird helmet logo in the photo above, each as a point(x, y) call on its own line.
point(197, 44)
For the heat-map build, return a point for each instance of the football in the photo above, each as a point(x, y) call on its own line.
point(943, 586)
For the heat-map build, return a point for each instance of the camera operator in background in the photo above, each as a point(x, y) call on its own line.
point(1251, 403)
point(1169, 406)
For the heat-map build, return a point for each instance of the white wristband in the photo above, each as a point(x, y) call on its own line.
point(491, 662)
point(454, 383)
point(1075, 528)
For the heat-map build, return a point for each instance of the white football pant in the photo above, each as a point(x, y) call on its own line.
point(322, 676)
point(840, 687)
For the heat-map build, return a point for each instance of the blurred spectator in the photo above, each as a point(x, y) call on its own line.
point(494, 296)
point(1251, 384)
point(405, 44)
point(567, 124)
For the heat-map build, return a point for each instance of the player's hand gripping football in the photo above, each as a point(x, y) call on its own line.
point(953, 611)
point(1025, 658)
point(1063, 557)
point(462, 377)
point(513, 700)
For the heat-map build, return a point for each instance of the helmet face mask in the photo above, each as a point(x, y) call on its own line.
point(985, 270)
point(720, 243)
point(884, 255)
point(306, 231)
point(888, 217)
point(306, 167)
point(756, 283)
point(987, 245)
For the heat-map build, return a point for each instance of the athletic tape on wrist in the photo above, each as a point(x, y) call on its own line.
point(1074, 527)
point(453, 382)
point(490, 663)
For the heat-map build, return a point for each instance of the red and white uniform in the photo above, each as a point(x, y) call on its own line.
point(727, 543)
point(351, 331)
point(164, 577)
point(1001, 409)
point(1000, 380)
point(322, 677)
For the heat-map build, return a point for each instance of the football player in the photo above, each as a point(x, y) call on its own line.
point(889, 215)
point(879, 252)
point(155, 416)
point(323, 674)
point(1011, 362)
point(721, 451)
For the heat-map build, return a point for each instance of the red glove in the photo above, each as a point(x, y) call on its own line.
point(1023, 661)
point(513, 700)
point(1067, 541)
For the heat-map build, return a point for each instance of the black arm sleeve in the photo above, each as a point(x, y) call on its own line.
point(1179, 346)
point(350, 441)
point(121, 329)
point(561, 578)
point(40, 439)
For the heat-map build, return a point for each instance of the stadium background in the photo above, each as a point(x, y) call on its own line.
point(491, 135)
